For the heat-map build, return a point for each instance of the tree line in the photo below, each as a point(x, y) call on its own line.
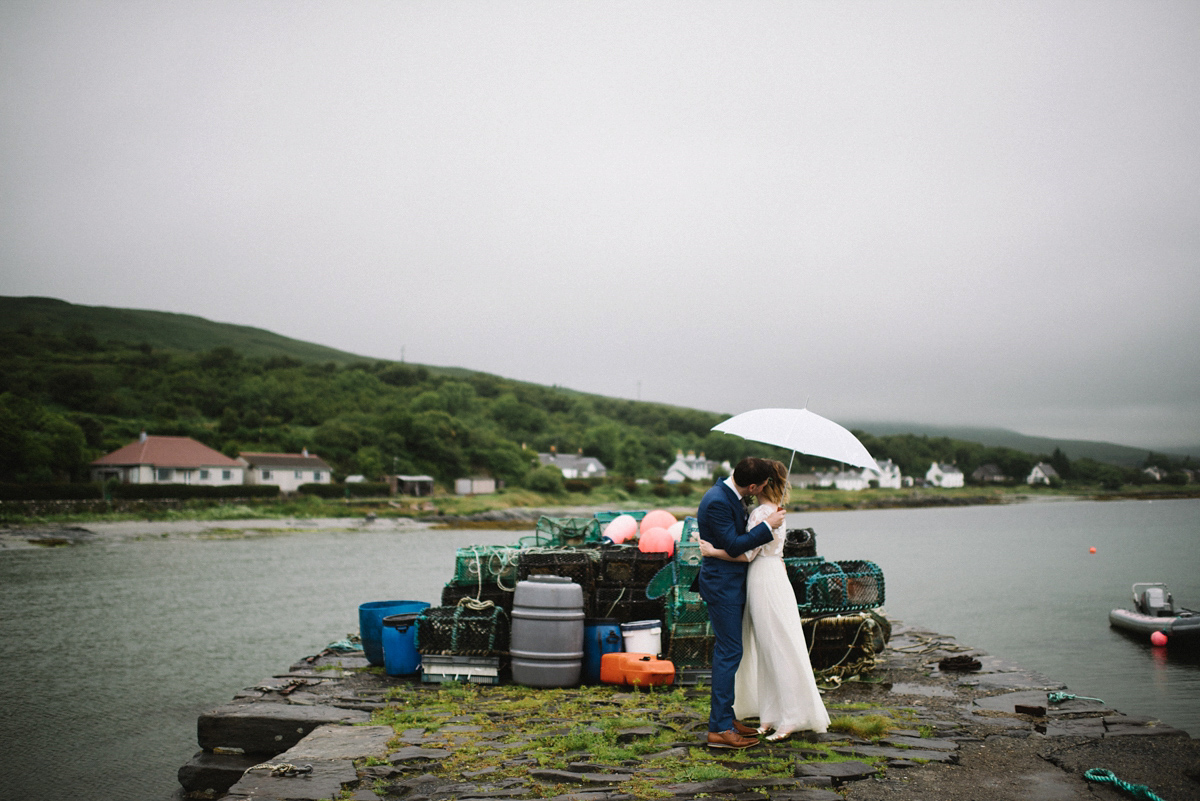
point(67, 399)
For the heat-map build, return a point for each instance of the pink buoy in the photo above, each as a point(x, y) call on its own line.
point(656, 540)
point(621, 528)
point(1158, 638)
point(659, 518)
point(1092, 549)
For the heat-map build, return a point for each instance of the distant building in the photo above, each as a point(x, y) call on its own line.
point(481, 485)
point(1154, 473)
point(1041, 473)
point(988, 474)
point(416, 486)
point(575, 465)
point(889, 475)
point(691, 468)
point(803, 480)
point(851, 480)
point(167, 460)
point(285, 470)
point(944, 475)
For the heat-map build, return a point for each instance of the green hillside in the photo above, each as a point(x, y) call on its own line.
point(77, 382)
point(163, 330)
point(1107, 452)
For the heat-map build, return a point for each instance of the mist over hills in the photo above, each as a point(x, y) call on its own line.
point(188, 333)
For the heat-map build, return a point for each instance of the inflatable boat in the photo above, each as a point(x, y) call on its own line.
point(1153, 611)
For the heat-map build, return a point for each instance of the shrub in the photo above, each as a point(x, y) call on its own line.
point(661, 489)
point(361, 489)
point(50, 492)
point(546, 479)
point(577, 485)
point(145, 492)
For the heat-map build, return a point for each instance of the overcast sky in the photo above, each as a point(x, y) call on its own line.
point(976, 213)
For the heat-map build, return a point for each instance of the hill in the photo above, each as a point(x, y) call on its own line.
point(163, 330)
point(78, 381)
point(1107, 452)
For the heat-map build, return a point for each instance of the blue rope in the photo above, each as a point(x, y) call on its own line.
point(1058, 698)
point(1135, 790)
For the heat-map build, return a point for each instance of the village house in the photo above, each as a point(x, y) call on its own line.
point(575, 465)
point(943, 475)
point(692, 468)
point(1041, 473)
point(285, 470)
point(1154, 473)
point(168, 460)
point(889, 475)
point(988, 474)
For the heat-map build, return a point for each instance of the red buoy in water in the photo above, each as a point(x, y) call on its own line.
point(1158, 638)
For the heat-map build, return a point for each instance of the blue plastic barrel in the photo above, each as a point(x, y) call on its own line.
point(370, 624)
point(400, 657)
point(601, 635)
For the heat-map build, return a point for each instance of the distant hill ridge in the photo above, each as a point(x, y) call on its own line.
point(185, 332)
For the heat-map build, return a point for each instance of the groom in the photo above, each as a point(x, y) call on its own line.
point(722, 584)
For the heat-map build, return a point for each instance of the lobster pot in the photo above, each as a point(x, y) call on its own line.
point(547, 632)
point(566, 530)
point(453, 593)
point(864, 584)
point(690, 637)
point(486, 566)
point(462, 630)
point(577, 565)
point(625, 604)
point(626, 566)
point(800, 542)
point(840, 640)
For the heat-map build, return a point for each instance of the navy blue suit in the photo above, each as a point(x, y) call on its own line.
point(721, 520)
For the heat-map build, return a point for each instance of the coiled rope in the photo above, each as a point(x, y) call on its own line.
point(1058, 698)
point(282, 769)
point(1108, 777)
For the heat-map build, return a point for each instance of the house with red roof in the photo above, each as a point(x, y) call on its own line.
point(168, 460)
point(286, 470)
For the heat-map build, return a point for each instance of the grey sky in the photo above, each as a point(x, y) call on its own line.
point(982, 213)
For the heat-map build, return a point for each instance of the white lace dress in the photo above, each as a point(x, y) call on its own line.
point(775, 680)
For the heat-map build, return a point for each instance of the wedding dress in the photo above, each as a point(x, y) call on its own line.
point(775, 680)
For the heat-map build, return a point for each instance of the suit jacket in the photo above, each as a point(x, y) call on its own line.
point(721, 520)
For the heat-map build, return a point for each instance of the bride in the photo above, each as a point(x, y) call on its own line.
point(775, 680)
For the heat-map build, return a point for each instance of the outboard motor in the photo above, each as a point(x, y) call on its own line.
point(1155, 601)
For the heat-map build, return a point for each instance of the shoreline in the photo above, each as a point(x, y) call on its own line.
point(989, 735)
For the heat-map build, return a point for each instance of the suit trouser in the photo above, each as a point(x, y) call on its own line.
point(726, 622)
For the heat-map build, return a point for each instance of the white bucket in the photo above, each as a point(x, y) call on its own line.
point(642, 637)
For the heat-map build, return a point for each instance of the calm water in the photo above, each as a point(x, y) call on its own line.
point(112, 651)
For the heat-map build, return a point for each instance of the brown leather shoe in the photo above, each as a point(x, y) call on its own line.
point(743, 729)
point(730, 739)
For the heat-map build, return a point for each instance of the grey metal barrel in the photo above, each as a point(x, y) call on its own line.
point(547, 632)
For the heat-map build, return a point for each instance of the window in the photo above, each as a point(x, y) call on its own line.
point(299, 474)
point(226, 475)
point(316, 475)
point(266, 474)
point(204, 475)
point(164, 474)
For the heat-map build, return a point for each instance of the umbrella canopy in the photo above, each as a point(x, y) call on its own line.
point(800, 430)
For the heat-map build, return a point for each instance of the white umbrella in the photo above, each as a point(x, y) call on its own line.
point(800, 430)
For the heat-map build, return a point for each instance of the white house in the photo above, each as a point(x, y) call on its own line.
point(944, 475)
point(889, 475)
point(167, 460)
point(575, 466)
point(691, 468)
point(480, 485)
point(1041, 473)
point(852, 480)
point(285, 470)
point(1154, 473)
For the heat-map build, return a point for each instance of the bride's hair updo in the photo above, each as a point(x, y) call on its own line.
point(778, 487)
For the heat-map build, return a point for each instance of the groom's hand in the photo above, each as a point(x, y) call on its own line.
point(775, 519)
